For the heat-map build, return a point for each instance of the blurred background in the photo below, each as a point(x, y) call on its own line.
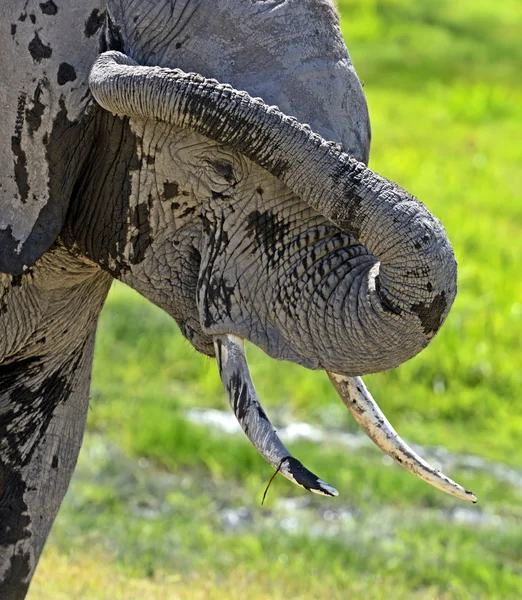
point(166, 499)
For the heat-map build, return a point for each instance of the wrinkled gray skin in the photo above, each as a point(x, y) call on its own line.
point(194, 225)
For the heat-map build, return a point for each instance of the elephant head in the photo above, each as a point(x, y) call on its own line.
point(212, 154)
point(281, 237)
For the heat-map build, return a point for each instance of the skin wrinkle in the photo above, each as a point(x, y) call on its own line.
point(151, 151)
point(160, 39)
point(241, 247)
point(344, 315)
point(308, 277)
point(349, 316)
point(234, 236)
point(259, 290)
point(319, 244)
point(95, 217)
point(308, 290)
point(281, 276)
point(366, 317)
point(391, 320)
point(330, 312)
point(11, 342)
point(328, 237)
point(395, 335)
point(101, 216)
point(128, 251)
point(261, 279)
point(268, 232)
point(115, 159)
point(174, 33)
point(354, 315)
point(219, 244)
point(352, 262)
point(309, 287)
point(374, 302)
point(253, 241)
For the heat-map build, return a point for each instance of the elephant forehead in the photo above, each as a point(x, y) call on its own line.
point(290, 53)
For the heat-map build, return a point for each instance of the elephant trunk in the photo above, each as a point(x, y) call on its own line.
point(401, 296)
point(408, 286)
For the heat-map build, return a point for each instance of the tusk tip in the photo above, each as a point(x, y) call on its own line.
point(374, 423)
point(460, 492)
point(297, 472)
point(471, 497)
point(325, 489)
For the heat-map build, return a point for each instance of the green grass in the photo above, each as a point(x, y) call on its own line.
point(386, 537)
point(445, 95)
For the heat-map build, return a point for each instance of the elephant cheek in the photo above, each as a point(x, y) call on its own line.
point(230, 301)
point(240, 293)
point(265, 261)
point(225, 307)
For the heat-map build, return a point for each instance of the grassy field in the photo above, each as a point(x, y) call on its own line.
point(166, 507)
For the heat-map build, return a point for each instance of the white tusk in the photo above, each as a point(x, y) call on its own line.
point(369, 416)
point(235, 375)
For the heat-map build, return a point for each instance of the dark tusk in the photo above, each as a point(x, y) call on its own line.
point(369, 416)
point(235, 375)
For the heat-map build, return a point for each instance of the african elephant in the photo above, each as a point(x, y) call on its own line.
point(131, 151)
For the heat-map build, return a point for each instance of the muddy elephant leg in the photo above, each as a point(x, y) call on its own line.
point(43, 408)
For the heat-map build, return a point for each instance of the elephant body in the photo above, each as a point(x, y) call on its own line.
point(220, 240)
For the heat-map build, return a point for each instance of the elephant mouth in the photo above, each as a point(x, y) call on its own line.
point(236, 379)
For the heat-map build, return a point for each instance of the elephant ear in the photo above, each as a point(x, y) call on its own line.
point(24, 237)
point(31, 212)
point(45, 59)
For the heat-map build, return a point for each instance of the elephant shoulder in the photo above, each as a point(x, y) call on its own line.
point(46, 51)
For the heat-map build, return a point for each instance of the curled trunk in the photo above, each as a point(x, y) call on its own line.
point(406, 290)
